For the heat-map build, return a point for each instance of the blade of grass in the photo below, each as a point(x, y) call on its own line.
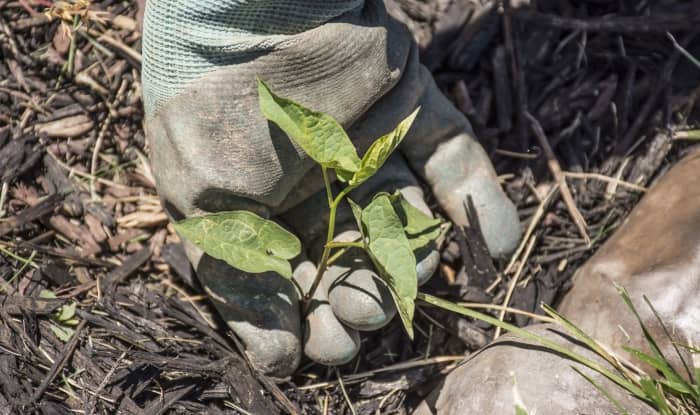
point(668, 336)
point(672, 378)
point(656, 350)
point(586, 339)
point(602, 390)
point(648, 337)
point(657, 397)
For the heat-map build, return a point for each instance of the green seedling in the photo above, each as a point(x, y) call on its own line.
point(63, 319)
point(392, 229)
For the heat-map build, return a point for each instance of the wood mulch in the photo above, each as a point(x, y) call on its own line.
point(580, 104)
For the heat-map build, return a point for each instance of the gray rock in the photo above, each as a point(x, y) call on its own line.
point(487, 381)
point(655, 253)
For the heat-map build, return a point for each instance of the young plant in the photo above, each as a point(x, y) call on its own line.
point(391, 228)
point(63, 320)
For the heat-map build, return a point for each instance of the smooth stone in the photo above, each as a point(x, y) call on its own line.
point(263, 311)
point(655, 253)
point(545, 381)
point(326, 340)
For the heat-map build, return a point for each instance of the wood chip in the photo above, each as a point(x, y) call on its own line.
point(68, 127)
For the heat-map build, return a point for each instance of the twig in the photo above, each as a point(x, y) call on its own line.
point(513, 281)
point(3, 195)
point(604, 178)
point(625, 24)
point(189, 299)
point(59, 363)
point(384, 399)
point(611, 188)
point(95, 153)
point(116, 44)
point(517, 155)
point(531, 227)
point(104, 381)
point(86, 175)
point(683, 50)
point(391, 368)
point(345, 392)
point(542, 319)
point(517, 75)
point(236, 407)
point(556, 171)
point(652, 97)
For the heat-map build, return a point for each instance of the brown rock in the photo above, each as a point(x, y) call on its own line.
point(545, 381)
point(655, 253)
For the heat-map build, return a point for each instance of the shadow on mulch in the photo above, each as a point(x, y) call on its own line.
point(97, 315)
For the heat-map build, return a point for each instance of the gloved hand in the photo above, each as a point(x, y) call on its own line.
point(212, 150)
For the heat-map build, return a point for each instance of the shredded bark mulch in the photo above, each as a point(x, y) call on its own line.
point(580, 104)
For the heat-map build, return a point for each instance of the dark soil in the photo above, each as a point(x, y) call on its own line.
point(80, 220)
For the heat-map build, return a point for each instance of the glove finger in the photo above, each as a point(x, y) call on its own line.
point(471, 175)
point(356, 293)
point(326, 340)
point(428, 257)
point(441, 148)
point(262, 309)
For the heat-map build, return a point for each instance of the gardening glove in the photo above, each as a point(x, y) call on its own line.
point(213, 151)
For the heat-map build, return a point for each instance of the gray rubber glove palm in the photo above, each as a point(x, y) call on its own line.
point(212, 150)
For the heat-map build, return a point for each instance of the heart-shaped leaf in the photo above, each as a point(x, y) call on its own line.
point(381, 149)
point(392, 255)
point(420, 228)
point(244, 240)
point(318, 134)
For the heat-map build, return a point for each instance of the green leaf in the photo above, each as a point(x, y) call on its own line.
point(657, 355)
point(318, 134)
point(47, 294)
point(392, 255)
point(674, 380)
point(579, 334)
point(420, 228)
point(381, 149)
point(244, 240)
point(655, 395)
point(62, 332)
point(66, 312)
